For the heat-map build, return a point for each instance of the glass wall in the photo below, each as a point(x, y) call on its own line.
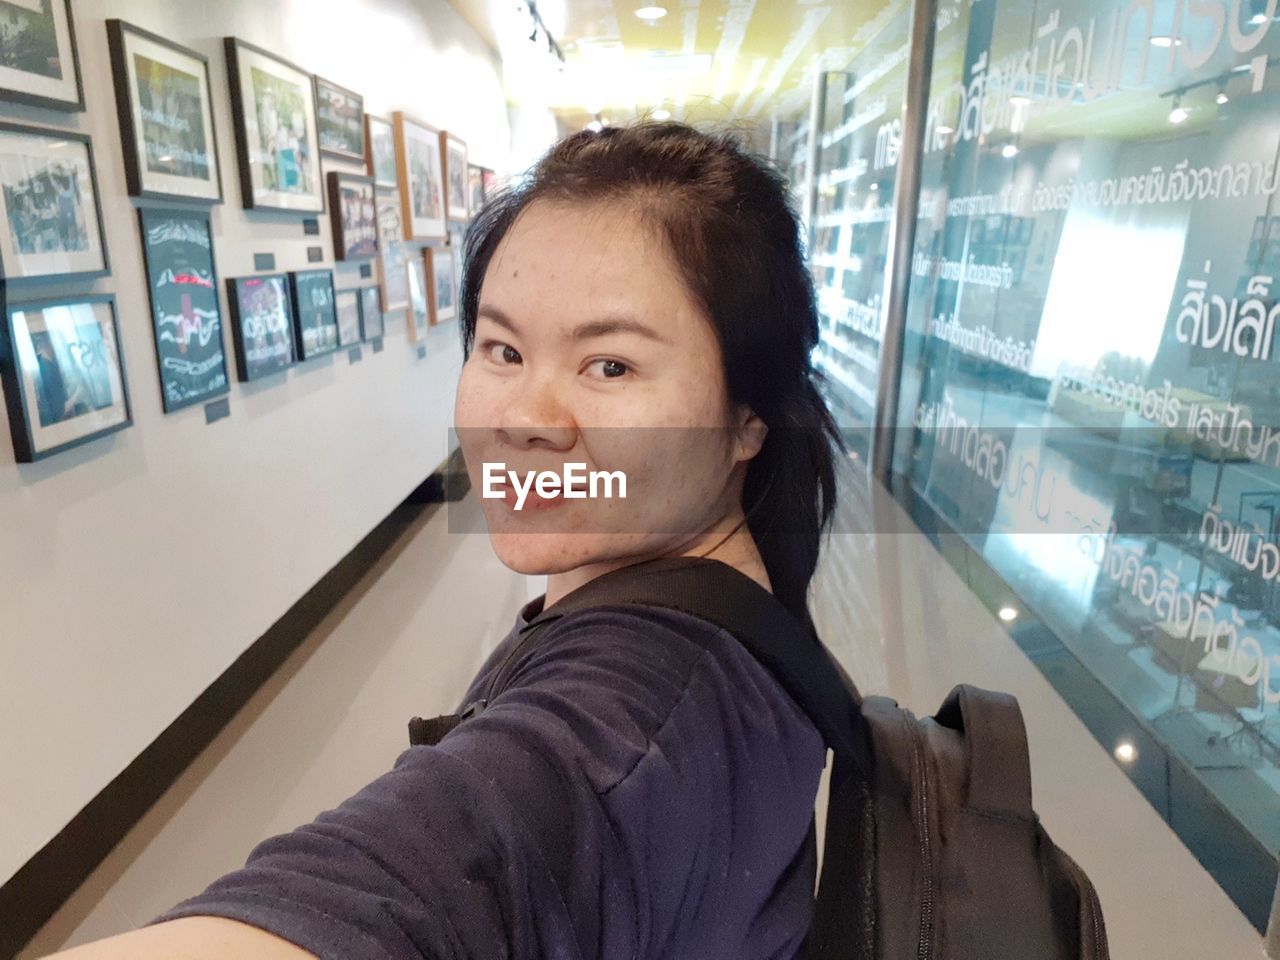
point(1091, 384)
point(860, 110)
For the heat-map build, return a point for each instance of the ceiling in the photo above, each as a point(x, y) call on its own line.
point(705, 60)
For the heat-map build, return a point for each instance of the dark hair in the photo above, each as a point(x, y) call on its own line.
point(727, 219)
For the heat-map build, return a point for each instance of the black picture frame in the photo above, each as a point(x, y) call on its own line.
point(71, 104)
point(379, 132)
point(354, 239)
point(302, 284)
point(57, 139)
point(188, 237)
point(22, 417)
point(134, 146)
point(373, 322)
point(310, 201)
point(251, 366)
point(349, 132)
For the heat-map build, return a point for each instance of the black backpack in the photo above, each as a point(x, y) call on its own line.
point(932, 850)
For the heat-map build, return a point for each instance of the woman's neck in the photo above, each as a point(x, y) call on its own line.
point(729, 541)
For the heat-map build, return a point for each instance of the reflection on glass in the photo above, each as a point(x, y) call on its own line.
point(1091, 383)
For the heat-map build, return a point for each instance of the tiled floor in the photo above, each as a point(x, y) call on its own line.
point(410, 638)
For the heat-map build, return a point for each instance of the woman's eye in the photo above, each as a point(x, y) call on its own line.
point(609, 369)
point(502, 353)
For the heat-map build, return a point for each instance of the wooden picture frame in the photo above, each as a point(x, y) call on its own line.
point(453, 161)
point(43, 237)
point(281, 170)
point(63, 375)
point(262, 325)
point(380, 149)
point(186, 317)
point(54, 81)
point(353, 211)
point(442, 288)
point(166, 156)
point(339, 121)
point(421, 178)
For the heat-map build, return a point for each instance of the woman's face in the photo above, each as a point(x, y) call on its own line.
point(589, 349)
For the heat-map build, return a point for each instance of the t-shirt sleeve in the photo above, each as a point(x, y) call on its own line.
point(498, 841)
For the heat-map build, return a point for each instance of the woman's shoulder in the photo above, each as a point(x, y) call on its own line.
point(641, 674)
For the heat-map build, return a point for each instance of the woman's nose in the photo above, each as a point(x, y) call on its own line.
point(536, 416)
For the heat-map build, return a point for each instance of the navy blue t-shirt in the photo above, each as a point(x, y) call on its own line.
point(642, 788)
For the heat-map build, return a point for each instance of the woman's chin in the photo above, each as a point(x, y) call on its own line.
point(543, 554)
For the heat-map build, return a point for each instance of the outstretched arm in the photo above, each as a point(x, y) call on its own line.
point(190, 938)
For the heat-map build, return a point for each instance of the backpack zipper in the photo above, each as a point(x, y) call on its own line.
point(924, 950)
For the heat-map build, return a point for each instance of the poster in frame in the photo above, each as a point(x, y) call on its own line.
point(273, 106)
point(52, 214)
point(421, 178)
point(347, 305)
point(475, 188)
point(39, 63)
point(339, 121)
point(165, 105)
point(419, 304)
point(63, 374)
point(261, 325)
point(315, 319)
point(371, 320)
point(453, 157)
point(186, 319)
point(353, 212)
point(380, 147)
point(393, 255)
point(441, 284)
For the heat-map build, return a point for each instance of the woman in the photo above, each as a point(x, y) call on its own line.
point(641, 787)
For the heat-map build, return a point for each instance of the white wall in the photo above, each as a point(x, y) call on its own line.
point(136, 569)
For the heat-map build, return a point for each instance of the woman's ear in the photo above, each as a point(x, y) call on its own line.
point(749, 436)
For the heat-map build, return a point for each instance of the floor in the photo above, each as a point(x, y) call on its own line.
point(409, 639)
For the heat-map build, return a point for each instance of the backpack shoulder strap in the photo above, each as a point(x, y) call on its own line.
point(784, 644)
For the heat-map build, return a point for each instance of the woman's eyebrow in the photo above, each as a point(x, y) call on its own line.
point(607, 325)
point(584, 331)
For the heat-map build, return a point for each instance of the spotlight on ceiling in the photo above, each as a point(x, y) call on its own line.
point(1179, 113)
point(1010, 151)
point(661, 114)
point(651, 13)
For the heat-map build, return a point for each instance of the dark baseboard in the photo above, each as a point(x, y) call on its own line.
point(36, 892)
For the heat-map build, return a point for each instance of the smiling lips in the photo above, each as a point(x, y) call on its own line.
point(532, 501)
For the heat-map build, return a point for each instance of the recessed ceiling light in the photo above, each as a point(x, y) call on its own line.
point(651, 13)
point(943, 131)
point(595, 126)
point(661, 114)
point(1008, 614)
point(1222, 97)
point(1166, 42)
point(1126, 752)
point(1010, 151)
point(1178, 114)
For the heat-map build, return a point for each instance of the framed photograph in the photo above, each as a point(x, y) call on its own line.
point(186, 321)
point(315, 317)
point(371, 323)
point(339, 121)
point(261, 325)
point(52, 214)
point(475, 188)
point(380, 147)
point(453, 154)
point(166, 116)
point(442, 282)
point(38, 60)
point(419, 308)
point(63, 375)
point(352, 208)
point(393, 259)
point(457, 235)
point(348, 306)
point(421, 178)
point(274, 108)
